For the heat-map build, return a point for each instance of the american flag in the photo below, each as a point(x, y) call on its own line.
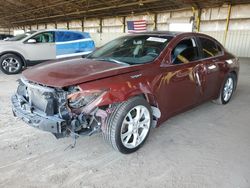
point(137, 26)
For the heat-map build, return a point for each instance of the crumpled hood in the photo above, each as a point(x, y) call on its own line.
point(73, 71)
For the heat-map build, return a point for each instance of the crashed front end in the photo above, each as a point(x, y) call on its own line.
point(59, 111)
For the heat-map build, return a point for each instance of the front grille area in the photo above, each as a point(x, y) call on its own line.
point(43, 101)
point(39, 97)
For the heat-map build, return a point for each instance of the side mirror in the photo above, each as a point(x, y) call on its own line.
point(31, 41)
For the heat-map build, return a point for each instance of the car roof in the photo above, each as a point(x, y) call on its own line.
point(163, 33)
point(64, 30)
point(176, 34)
point(171, 33)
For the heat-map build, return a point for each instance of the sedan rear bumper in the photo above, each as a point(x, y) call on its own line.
point(24, 111)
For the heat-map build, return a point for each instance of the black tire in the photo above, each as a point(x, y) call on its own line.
point(112, 132)
point(17, 68)
point(221, 99)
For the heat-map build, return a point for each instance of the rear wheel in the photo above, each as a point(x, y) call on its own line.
point(10, 64)
point(227, 90)
point(129, 125)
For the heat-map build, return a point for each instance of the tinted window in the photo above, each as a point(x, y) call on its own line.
point(76, 36)
point(210, 48)
point(45, 37)
point(59, 36)
point(64, 36)
point(185, 52)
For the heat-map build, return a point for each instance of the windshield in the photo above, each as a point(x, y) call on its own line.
point(132, 49)
point(20, 37)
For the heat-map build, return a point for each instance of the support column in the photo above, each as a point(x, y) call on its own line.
point(197, 18)
point(198, 21)
point(82, 25)
point(68, 25)
point(124, 24)
point(227, 24)
point(100, 25)
point(155, 22)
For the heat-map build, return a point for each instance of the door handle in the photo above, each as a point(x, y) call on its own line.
point(198, 78)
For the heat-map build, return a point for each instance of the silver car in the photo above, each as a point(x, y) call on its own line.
point(35, 47)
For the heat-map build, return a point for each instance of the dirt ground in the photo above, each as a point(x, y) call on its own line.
point(208, 146)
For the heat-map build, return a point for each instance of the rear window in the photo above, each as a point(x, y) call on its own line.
point(210, 48)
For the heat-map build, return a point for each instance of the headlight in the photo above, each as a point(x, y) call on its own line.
point(82, 98)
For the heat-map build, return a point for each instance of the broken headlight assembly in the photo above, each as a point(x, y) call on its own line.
point(80, 98)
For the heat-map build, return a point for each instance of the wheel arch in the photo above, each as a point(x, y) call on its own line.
point(234, 73)
point(17, 54)
point(150, 98)
point(236, 78)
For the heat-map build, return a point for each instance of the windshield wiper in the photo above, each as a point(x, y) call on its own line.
point(112, 60)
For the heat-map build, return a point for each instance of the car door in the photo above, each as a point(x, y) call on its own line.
point(212, 58)
point(71, 43)
point(179, 87)
point(40, 47)
point(65, 45)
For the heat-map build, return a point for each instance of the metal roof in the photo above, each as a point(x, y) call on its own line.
point(27, 12)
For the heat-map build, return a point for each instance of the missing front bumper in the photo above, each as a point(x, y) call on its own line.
point(35, 119)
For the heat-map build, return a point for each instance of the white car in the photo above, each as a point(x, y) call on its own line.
point(35, 47)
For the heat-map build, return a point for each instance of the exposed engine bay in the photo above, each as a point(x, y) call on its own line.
point(60, 111)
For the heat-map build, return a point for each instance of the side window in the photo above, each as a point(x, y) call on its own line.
point(210, 48)
point(67, 36)
point(185, 51)
point(59, 36)
point(46, 37)
point(64, 36)
point(76, 36)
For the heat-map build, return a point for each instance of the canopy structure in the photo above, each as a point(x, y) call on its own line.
point(15, 13)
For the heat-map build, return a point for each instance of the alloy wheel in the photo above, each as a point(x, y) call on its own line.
point(135, 126)
point(11, 64)
point(228, 89)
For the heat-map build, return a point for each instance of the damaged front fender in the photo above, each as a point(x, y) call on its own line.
point(124, 92)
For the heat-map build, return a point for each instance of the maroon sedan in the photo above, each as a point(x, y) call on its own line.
point(126, 87)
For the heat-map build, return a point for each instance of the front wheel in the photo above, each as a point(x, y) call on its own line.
point(128, 125)
point(10, 64)
point(227, 90)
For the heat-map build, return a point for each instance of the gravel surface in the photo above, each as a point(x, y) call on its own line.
point(208, 146)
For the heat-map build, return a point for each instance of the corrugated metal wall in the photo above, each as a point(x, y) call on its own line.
point(113, 27)
point(213, 22)
point(6, 31)
point(238, 42)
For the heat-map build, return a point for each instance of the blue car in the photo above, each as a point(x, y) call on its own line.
point(35, 47)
